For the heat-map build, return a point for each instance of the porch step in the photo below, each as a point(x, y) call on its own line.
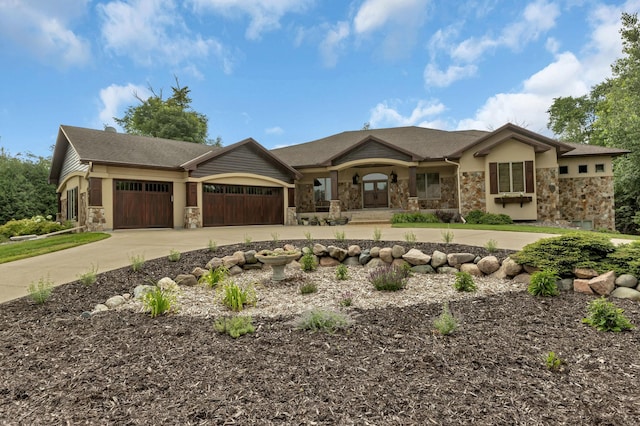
point(369, 217)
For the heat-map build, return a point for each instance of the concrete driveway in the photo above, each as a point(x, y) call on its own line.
point(115, 252)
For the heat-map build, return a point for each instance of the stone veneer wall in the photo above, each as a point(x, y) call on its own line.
point(599, 205)
point(547, 194)
point(473, 192)
point(399, 195)
point(304, 198)
point(95, 219)
point(448, 198)
point(350, 196)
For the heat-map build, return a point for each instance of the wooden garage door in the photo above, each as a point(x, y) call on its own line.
point(242, 205)
point(139, 204)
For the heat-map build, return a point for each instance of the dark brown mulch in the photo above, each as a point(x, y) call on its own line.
point(57, 367)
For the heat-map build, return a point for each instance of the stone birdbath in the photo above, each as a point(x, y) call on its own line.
point(277, 259)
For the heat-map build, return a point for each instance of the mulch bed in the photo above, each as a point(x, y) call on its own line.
point(125, 368)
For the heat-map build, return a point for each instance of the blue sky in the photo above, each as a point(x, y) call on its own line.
point(291, 71)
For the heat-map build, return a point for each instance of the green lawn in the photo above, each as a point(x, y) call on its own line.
point(511, 228)
point(24, 249)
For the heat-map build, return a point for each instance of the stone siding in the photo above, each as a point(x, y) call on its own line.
point(472, 192)
point(547, 194)
point(192, 217)
point(350, 196)
point(399, 195)
point(589, 199)
point(96, 219)
point(304, 198)
point(448, 196)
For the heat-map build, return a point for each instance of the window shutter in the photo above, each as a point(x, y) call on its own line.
point(528, 176)
point(95, 192)
point(493, 178)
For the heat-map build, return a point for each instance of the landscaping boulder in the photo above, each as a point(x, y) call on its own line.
point(235, 270)
point(374, 263)
point(141, 290)
point(320, 250)
point(488, 265)
point(626, 280)
point(582, 286)
point(374, 252)
point(337, 253)
point(386, 254)
point(252, 266)
point(166, 282)
point(352, 261)
point(447, 270)
point(471, 268)
point(354, 250)
point(198, 272)
point(585, 273)
point(329, 261)
point(416, 257)
point(423, 269)
point(438, 259)
point(565, 284)
point(99, 308)
point(626, 293)
point(511, 267)
point(400, 263)
point(186, 280)
point(457, 259)
point(114, 301)
point(530, 269)
point(364, 257)
point(214, 263)
point(397, 251)
point(250, 256)
point(603, 284)
point(522, 278)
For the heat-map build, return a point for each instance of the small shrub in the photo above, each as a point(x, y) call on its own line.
point(480, 217)
point(234, 326)
point(410, 237)
point(89, 277)
point(235, 298)
point(308, 262)
point(446, 323)
point(553, 362)
point(388, 278)
point(213, 246)
point(40, 291)
point(214, 276)
point(340, 235)
point(416, 217)
point(174, 256)
point(346, 300)
point(322, 320)
point(491, 246)
point(445, 216)
point(158, 301)
point(474, 216)
point(565, 252)
point(464, 282)
point(275, 237)
point(137, 262)
point(37, 225)
point(342, 273)
point(543, 283)
point(605, 316)
point(447, 236)
point(377, 234)
point(308, 237)
point(308, 288)
point(247, 239)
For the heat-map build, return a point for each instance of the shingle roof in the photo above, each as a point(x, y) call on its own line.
point(425, 143)
point(101, 146)
point(581, 149)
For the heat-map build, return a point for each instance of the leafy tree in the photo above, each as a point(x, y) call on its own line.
point(24, 187)
point(172, 118)
point(610, 116)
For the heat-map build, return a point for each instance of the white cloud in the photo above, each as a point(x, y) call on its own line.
point(434, 77)
point(43, 28)
point(334, 43)
point(386, 114)
point(277, 130)
point(568, 75)
point(114, 100)
point(152, 31)
point(265, 14)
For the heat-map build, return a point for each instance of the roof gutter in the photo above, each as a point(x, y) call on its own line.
point(446, 160)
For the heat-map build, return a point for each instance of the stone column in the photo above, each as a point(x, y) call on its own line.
point(95, 219)
point(192, 218)
point(334, 209)
point(291, 216)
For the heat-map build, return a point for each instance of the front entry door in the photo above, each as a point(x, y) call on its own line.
point(375, 194)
